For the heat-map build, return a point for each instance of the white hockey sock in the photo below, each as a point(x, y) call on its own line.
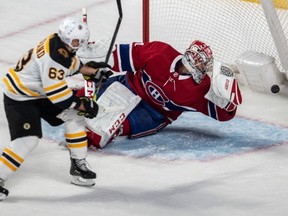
point(13, 155)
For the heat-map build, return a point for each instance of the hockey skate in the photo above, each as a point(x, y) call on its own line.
point(81, 173)
point(3, 191)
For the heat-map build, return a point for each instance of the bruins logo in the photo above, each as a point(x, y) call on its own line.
point(26, 126)
point(63, 52)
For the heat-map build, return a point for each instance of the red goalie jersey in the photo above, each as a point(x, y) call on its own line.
point(153, 74)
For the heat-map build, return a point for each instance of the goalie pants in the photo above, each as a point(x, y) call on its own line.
point(144, 119)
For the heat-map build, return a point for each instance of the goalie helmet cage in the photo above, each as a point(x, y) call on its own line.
point(230, 27)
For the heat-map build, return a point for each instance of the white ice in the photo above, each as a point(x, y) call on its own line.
point(246, 184)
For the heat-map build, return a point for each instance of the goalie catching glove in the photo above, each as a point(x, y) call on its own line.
point(102, 71)
point(224, 90)
point(90, 107)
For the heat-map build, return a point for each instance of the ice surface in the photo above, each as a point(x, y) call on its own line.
point(196, 166)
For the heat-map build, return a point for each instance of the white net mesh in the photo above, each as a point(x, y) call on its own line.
point(230, 27)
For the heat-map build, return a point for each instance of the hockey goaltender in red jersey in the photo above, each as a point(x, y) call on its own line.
point(168, 83)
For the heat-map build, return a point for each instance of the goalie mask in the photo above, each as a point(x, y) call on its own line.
point(198, 60)
point(73, 29)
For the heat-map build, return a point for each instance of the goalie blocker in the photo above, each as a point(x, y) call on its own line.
point(115, 104)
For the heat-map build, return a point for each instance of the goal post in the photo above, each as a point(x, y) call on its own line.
point(275, 26)
point(230, 27)
point(145, 20)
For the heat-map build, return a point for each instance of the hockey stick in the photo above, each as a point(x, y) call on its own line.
point(115, 31)
point(91, 89)
point(119, 6)
point(84, 15)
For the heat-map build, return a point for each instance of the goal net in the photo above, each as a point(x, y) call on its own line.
point(230, 27)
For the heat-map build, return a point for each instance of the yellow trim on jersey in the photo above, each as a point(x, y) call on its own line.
point(56, 86)
point(14, 155)
point(47, 44)
point(56, 95)
point(8, 164)
point(74, 63)
point(60, 95)
point(9, 87)
point(20, 85)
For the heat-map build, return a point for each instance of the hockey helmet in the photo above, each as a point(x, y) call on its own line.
point(198, 60)
point(72, 28)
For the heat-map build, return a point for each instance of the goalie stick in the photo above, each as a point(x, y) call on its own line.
point(90, 88)
point(119, 7)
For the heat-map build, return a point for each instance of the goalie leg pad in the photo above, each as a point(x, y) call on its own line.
point(115, 105)
point(94, 139)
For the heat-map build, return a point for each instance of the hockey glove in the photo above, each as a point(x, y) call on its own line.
point(227, 88)
point(90, 106)
point(101, 73)
point(224, 90)
point(97, 65)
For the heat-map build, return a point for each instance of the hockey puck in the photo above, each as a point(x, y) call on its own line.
point(275, 89)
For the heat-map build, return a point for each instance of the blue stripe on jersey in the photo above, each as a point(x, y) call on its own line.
point(125, 57)
point(172, 106)
point(212, 110)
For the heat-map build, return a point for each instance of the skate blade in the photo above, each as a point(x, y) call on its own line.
point(79, 181)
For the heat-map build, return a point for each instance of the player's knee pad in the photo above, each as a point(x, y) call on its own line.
point(73, 122)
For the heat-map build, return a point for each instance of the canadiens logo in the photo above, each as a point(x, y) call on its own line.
point(63, 52)
point(156, 93)
point(158, 96)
